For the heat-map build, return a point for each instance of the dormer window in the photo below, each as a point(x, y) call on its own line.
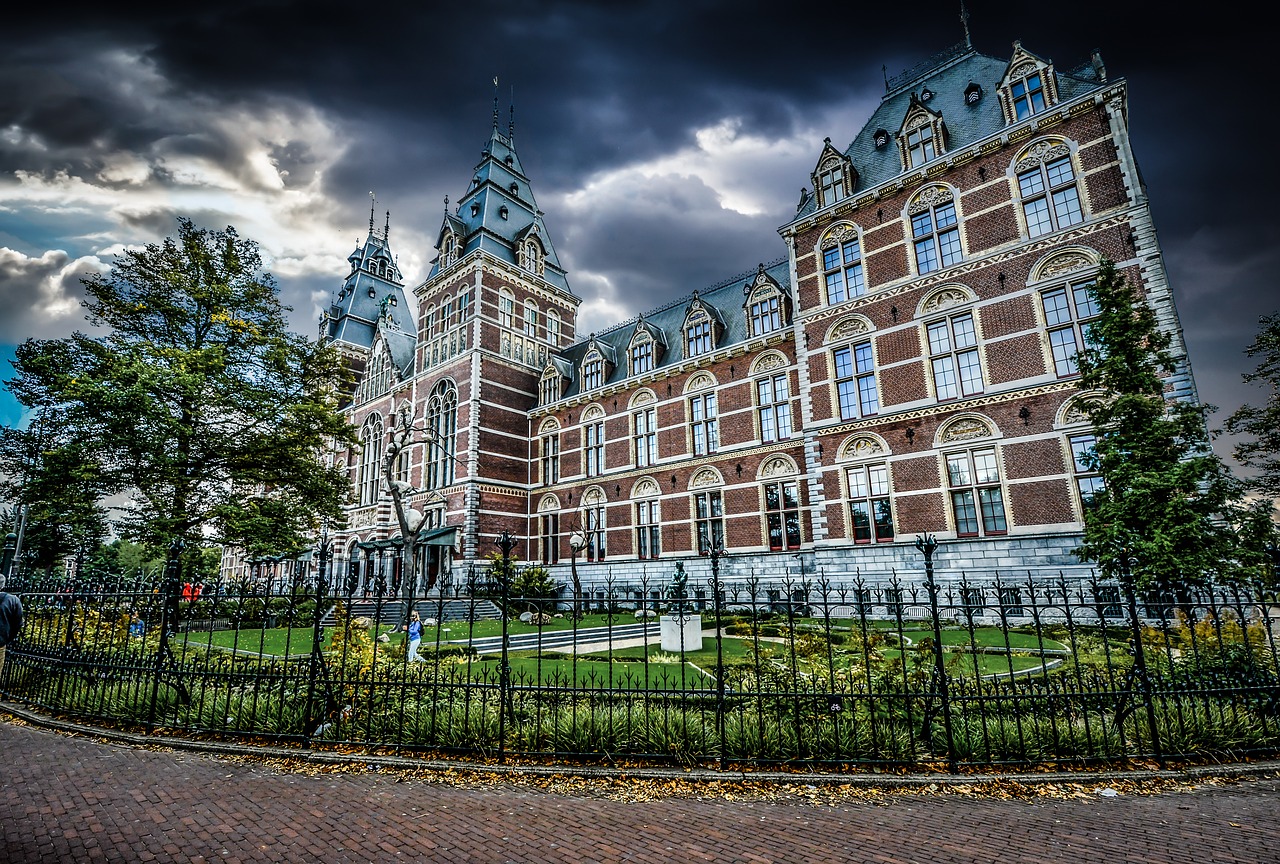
point(503, 211)
point(831, 184)
point(531, 256)
point(920, 146)
point(834, 177)
point(921, 137)
point(766, 305)
point(881, 138)
point(593, 371)
point(641, 353)
point(514, 189)
point(448, 250)
point(926, 94)
point(698, 335)
point(475, 208)
point(550, 391)
point(972, 94)
point(1028, 96)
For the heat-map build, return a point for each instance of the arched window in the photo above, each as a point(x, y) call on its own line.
point(442, 428)
point(448, 250)
point(553, 330)
point(699, 334)
point(1047, 186)
point(370, 459)
point(842, 264)
point(935, 229)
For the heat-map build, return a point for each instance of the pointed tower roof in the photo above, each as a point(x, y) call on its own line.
point(373, 284)
point(498, 211)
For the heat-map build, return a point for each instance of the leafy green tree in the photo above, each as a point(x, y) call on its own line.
point(1167, 496)
point(1261, 426)
point(198, 402)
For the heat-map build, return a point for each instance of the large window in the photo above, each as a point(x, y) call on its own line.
point(442, 430)
point(766, 315)
point(953, 357)
point(782, 515)
point(593, 448)
point(595, 532)
point(641, 356)
point(550, 538)
point(551, 458)
point(920, 146)
point(831, 185)
point(698, 337)
point(646, 437)
point(870, 511)
point(842, 265)
point(1028, 96)
point(506, 310)
point(593, 372)
point(1066, 313)
point(1050, 199)
point(708, 521)
point(705, 426)
point(648, 530)
point(1087, 478)
point(773, 398)
point(856, 381)
point(530, 320)
point(553, 330)
point(937, 237)
point(977, 502)
point(370, 460)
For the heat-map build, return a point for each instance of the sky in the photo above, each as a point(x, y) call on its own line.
point(665, 142)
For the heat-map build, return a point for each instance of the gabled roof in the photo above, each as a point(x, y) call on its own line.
point(723, 300)
point(353, 314)
point(946, 80)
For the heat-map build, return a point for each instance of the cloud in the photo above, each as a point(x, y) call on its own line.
point(42, 296)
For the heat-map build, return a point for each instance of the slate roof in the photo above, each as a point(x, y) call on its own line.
point(965, 124)
point(353, 314)
point(725, 300)
point(499, 186)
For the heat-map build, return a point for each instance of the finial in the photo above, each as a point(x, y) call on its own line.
point(446, 205)
point(884, 70)
point(386, 230)
point(511, 122)
point(964, 19)
point(495, 103)
point(372, 201)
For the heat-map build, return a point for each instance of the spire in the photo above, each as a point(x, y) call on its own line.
point(372, 201)
point(964, 19)
point(495, 103)
point(511, 122)
point(386, 230)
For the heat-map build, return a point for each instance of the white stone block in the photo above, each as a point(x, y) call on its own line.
point(681, 633)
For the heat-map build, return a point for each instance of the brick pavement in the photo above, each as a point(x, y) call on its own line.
point(75, 799)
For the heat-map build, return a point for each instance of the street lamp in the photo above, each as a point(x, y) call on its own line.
point(577, 542)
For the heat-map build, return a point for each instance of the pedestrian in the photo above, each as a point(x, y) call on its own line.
point(414, 628)
point(137, 627)
point(10, 621)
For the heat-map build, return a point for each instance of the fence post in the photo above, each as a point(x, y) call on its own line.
point(715, 552)
point(169, 613)
point(1140, 673)
point(507, 544)
point(324, 554)
point(927, 544)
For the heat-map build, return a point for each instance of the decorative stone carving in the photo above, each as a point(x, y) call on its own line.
point(593, 497)
point(1042, 151)
point(766, 362)
point(778, 466)
point(594, 412)
point(705, 477)
point(548, 503)
point(1067, 262)
point(929, 196)
point(551, 424)
point(1022, 70)
point(861, 447)
point(700, 381)
point(644, 397)
point(847, 328)
point(965, 429)
point(363, 518)
point(837, 234)
point(944, 298)
point(644, 488)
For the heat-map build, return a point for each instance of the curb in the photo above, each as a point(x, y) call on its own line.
point(1227, 771)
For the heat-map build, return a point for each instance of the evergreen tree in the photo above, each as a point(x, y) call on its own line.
point(1166, 496)
point(198, 402)
point(1262, 425)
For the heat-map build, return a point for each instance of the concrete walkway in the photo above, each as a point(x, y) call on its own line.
point(76, 799)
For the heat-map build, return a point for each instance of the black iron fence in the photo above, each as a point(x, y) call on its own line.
point(807, 671)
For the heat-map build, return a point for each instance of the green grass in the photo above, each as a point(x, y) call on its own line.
point(277, 641)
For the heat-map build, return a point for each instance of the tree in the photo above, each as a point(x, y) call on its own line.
point(199, 402)
point(1166, 496)
point(1262, 454)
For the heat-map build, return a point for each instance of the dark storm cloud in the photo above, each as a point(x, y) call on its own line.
point(599, 89)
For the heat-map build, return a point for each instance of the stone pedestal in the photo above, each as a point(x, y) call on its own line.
point(681, 632)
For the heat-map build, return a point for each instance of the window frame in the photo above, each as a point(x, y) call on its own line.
point(780, 518)
point(704, 423)
point(866, 491)
point(1051, 209)
point(644, 432)
point(927, 241)
point(976, 513)
point(593, 448)
point(774, 414)
point(854, 377)
point(549, 457)
point(550, 535)
point(955, 353)
point(843, 261)
point(1072, 316)
point(708, 520)
point(648, 529)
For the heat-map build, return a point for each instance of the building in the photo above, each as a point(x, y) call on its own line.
point(904, 365)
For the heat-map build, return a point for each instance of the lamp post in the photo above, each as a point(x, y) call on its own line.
point(506, 543)
point(577, 542)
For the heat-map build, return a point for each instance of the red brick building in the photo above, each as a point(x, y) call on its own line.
point(905, 365)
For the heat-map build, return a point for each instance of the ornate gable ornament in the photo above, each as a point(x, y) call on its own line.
point(643, 397)
point(929, 196)
point(1040, 152)
point(549, 425)
point(778, 466)
point(945, 298)
point(834, 177)
point(837, 234)
point(847, 328)
point(864, 446)
point(706, 477)
point(1074, 412)
point(1022, 65)
point(592, 412)
point(968, 427)
point(594, 497)
point(699, 381)
point(645, 487)
point(1060, 262)
point(548, 504)
point(762, 285)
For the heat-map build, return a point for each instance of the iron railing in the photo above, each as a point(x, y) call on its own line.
point(825, 673)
